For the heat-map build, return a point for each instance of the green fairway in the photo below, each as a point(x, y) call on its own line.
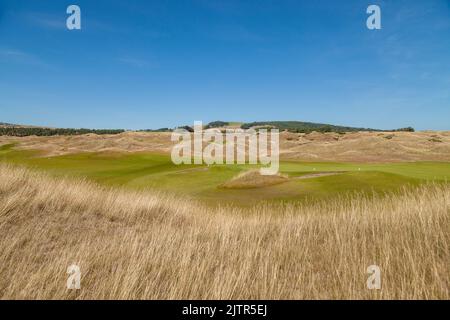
point(146, 170)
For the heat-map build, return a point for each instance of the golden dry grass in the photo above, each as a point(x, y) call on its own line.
point(132, 245)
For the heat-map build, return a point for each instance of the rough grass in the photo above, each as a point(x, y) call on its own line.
point(133, 245)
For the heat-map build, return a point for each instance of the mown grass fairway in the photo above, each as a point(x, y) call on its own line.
point(156, 171)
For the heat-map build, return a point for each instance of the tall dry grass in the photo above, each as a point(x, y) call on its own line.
point(133, 245)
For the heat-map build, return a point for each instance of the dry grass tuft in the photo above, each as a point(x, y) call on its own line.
point(133, 245)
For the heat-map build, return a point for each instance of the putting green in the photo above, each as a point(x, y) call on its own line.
point(146, 170)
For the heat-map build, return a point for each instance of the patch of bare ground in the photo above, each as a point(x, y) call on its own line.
point(318, 175)
point(253, 179)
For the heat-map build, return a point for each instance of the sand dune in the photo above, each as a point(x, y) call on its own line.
point(367, 146)
point(353, 147)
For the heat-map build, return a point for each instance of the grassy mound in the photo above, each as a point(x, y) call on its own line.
point(253, 179)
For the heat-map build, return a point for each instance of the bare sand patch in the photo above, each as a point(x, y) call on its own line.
point(319, 174)
point(253, 179)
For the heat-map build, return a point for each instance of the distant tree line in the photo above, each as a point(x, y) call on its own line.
point(407, 129)
point(31, 131)
point(302, 127)
point(308, 127)
point(216, 124)
point(187, 128)
point(156, 130)
point(291, 126)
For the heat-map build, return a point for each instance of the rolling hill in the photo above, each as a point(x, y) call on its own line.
point(7, 129)
point(304, 127)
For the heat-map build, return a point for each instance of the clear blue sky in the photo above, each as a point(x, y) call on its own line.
point(150, 64)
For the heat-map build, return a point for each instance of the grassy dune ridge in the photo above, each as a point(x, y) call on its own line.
point(137, 244)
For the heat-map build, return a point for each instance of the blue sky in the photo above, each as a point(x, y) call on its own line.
point(150, 64)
